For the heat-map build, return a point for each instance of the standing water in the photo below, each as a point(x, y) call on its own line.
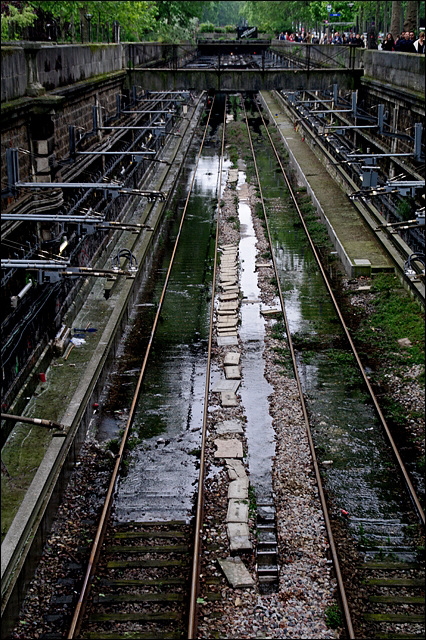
point(358, 468)
point(162, 470)
point(255, 388)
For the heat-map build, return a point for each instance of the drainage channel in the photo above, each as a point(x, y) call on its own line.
point(162, 467)
point(254, 396)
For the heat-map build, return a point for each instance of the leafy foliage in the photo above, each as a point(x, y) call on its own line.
point(279, 16)
point(222, 13)
point(333, 617)
point(169, 20)
point(395, 316)
point(135, 17)
point(18, 13)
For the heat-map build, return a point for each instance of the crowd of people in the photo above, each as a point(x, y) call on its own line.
point(406, 42)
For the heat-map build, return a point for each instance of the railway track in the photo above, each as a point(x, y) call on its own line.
point(142, 583)
point(150, 562)
point(383, 567)
point(393, 581)
point(395, 239)
point(142, 578)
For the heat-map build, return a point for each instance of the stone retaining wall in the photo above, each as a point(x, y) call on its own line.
point(402, 70)
point(31, 68)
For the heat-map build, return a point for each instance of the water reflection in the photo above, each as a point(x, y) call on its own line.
point(255, 389)
point(163, 469)
point(360, 474)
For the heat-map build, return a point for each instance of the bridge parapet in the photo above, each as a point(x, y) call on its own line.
point(403, 70)
point(30, 68)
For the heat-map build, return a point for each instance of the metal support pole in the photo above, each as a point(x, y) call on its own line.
point(380, 116)
point(418, 130)
point(95, 119)
point(354, 100)
point(38, 421)
point(71, 131)
point(335, 94)
point(12, 165)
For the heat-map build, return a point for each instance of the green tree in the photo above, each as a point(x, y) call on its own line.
point(396, 18)
point(222, 13)
point(135, 17)
point(179, 12)
point(278, 16)
point(411, 17)
point(18, 14)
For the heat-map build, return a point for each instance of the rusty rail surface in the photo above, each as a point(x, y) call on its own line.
point(192, 621)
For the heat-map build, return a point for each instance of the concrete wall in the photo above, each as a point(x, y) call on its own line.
point(45, 67)
point(402, 70)
point(30, 68)
point(13, 72)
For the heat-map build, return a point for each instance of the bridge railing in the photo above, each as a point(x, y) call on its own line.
point(403, 70)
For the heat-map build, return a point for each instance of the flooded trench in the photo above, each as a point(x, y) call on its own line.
point(255, 389)
point(359, 473)
point(358, 468)
point(161, 467)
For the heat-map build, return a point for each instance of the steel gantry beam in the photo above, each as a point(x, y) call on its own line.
point(115, 189)
point(88, 223)
point(138, 156)
point(52, 270)
point(112, 188)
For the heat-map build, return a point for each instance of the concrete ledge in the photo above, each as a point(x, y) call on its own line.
point(352, 239)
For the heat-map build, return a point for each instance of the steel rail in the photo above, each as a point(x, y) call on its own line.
point(341, 586)
point(192, 619)
point(100, 533)
point(401, 465)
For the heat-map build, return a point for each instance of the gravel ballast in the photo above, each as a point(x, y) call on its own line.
point(306, 584)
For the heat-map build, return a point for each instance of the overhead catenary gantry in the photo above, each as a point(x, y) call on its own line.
point(52, 270)
point(87, 223)
point(113, 189)
point(366, 161)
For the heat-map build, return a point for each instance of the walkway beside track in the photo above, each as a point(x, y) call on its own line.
point(356, 245)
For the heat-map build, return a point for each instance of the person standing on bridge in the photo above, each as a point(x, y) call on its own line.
point(389, 43)
point(356, 41)
point(404, 44)
point(398, 41)
point(419, 44)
